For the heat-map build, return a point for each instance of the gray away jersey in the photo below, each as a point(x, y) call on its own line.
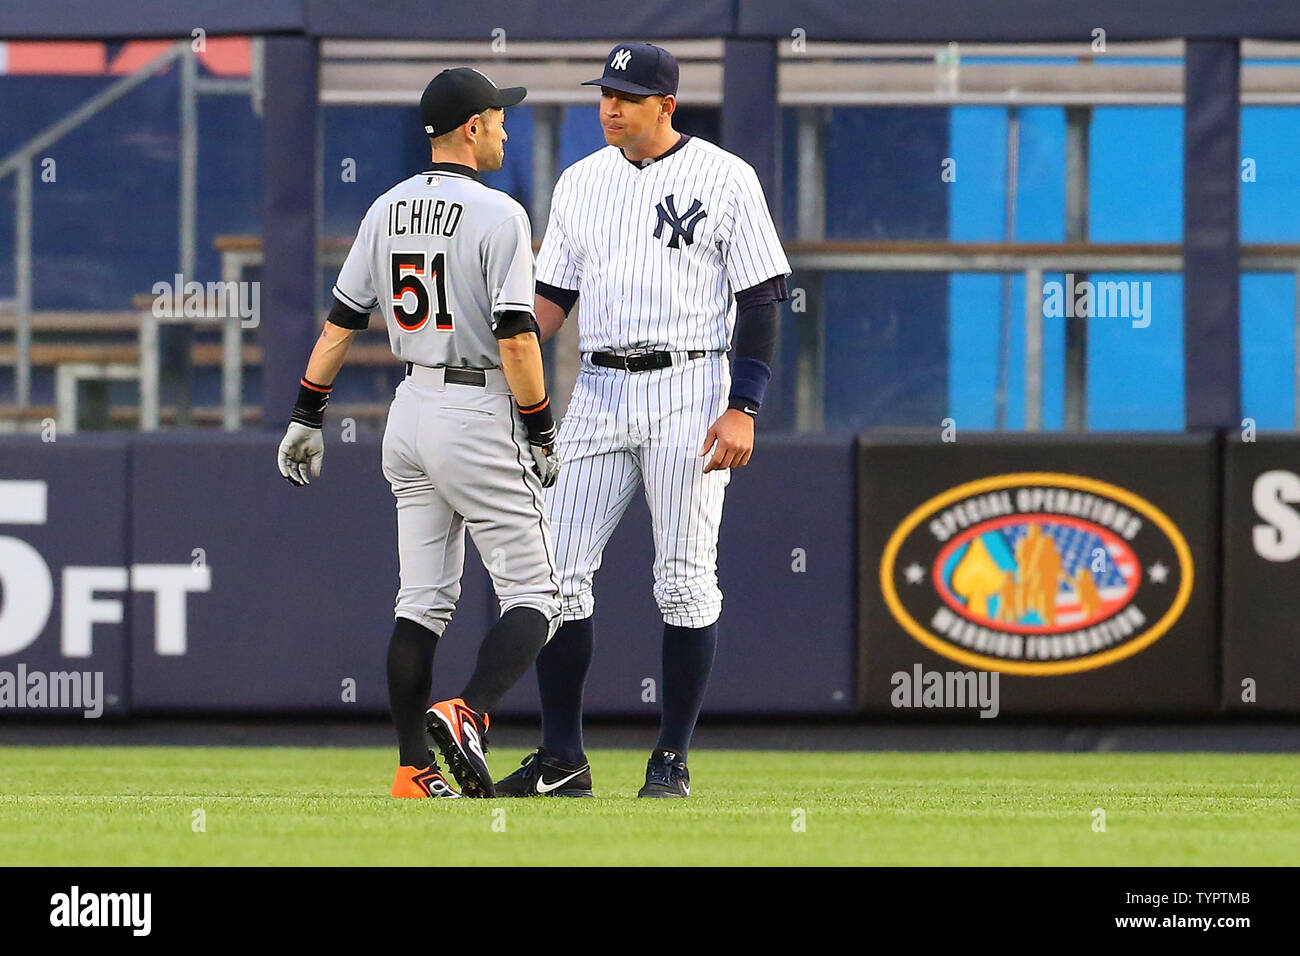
point(657, 252)
point(442, 256)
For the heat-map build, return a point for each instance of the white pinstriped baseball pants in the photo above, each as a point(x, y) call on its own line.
point(624, 429)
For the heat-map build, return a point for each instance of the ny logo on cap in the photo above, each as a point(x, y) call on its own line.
point(620, 60)
point(683, 227)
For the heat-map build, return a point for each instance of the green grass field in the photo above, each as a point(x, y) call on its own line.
point(299, 806)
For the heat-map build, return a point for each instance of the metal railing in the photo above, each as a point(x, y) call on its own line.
point(1030, 260)
point(820, 73)
point(19, 163)
point(898, 74)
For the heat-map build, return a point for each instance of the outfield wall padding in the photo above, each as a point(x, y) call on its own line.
point(1261, 582)
point(194, 579)
point(65, 571)
point(253, 596)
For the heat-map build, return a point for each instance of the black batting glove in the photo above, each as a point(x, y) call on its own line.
point(540, 423)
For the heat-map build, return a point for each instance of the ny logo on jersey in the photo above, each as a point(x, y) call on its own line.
point(683, 227)
point(621, 59)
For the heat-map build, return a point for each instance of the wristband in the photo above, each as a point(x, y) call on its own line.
point(310, 407)
point(749, 378)
point(539, 421)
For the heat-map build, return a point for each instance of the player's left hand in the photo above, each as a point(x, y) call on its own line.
point(301, 453)
point(733, 434)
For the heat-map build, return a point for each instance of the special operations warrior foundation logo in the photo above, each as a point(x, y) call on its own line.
point(1036, 573)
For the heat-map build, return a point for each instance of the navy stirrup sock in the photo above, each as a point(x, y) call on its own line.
point(561, 672)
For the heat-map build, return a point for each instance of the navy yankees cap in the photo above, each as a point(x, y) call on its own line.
point(453, 96)
point(641, 69)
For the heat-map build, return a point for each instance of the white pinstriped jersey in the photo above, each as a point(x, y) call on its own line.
point(656, 252)
point(441, 255)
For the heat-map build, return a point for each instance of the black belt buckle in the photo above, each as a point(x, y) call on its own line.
point(457, 376)
point(644, 360)
point(465, 376)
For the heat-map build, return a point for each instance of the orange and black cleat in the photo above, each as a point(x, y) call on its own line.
point(461, 736)
point(420, 782)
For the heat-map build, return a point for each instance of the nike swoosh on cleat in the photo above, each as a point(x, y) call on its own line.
point(544, 787)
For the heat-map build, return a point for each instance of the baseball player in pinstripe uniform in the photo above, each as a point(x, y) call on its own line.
point(668, 242)
point(470, 441)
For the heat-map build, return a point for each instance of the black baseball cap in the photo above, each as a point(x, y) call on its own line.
point(453, 96)
point(641, 69)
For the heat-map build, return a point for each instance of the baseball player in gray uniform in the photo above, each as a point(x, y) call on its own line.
point(470, 440)
point(668, 241)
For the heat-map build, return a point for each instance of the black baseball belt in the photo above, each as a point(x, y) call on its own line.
point(459, 376)
point(639, 361)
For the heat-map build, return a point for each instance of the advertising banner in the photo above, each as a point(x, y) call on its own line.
point(1038, 575)
point(66, 577)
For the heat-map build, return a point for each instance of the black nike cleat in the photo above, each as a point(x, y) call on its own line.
point(461, 735)
point(666, 776)
point(540, 775)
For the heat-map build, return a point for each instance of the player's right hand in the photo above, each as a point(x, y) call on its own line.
point(546, 463)
point(301, 453)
